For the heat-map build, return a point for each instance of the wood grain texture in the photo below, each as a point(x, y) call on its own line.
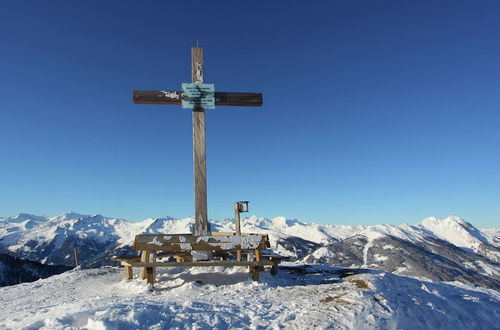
point(145, 259)
point(194, 246)
point(150, 275)
point(159, 239)
point(258, 255)
point(76, 256)
point(221, 98)
point(200, 173)
point(238, 228)
point(199, 263)
point(199, 151)
point(238, 99)
point(157, 97)
point(129, 274)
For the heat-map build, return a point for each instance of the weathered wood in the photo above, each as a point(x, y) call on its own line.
point(187, 242)
point(255, 272)
point(175, 97)
point(258, 255)
point(238, 227)
point(129, 274)
point(199, 263)
point(199, 151)
point(150, 275)
point(153, 259)
point(238, 99)
point(157, 239)
point(144, 259)
point(192, 246)
point(237, 223)
point(133, 258)
point(77, 258)
point(274, 270)
point(157, 97)
point(175, 255)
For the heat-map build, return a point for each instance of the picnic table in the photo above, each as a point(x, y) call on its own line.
point(225, 249)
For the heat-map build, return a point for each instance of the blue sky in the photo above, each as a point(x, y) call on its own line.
point(374, 111)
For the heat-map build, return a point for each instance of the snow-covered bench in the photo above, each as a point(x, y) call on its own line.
point(186, 249)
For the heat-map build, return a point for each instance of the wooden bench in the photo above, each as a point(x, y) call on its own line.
point(181, 247)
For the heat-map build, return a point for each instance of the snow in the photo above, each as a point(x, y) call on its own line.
point(492, 235)
point(454, 230)
point(17, 231)
point(301, 297)
point(379, 257)
point(322, 252)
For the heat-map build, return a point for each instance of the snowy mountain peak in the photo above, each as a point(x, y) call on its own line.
point(69, 216)
point(256, 221)
point(456, 220)
point(455, 230)
point(22, 217)
point(451, 220)
point(284, 222)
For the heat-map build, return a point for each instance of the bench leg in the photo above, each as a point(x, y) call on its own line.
point(144, 258)
point(150, 275)
point(258, 255)
point(274, 270)
point(153, 259)
point(129, 274)
point(255, 271)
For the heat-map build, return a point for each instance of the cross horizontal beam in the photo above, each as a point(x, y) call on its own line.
point(175, 97)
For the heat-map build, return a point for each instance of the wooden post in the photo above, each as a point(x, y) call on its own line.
point(258, 255)
point(199, 151)
point(274, 269)
point(238, 228)
point(129, 274)
point(150, 275)
point(144, 258)
point(255, 271)
point(153, 259)
point(77, 259)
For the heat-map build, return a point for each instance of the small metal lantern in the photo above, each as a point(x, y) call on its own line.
point(243, 206)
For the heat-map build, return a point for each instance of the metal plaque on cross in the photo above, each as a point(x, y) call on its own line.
point(198, 95)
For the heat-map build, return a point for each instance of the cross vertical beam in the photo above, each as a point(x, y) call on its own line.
point(199, 151)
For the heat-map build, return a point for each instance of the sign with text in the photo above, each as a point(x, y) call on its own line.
point(198, 95)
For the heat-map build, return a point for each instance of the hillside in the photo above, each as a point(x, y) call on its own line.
point(301, 297)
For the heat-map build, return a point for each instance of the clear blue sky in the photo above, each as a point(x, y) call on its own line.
point(374, 111)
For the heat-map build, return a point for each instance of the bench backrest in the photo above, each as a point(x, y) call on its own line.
point(216, 241)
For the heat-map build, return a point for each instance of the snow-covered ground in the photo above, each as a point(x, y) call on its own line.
point(301, 297)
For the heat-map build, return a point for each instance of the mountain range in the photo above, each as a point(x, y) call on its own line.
point(448, 250)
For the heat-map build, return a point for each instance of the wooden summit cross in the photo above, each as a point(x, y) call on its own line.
point(198, 96)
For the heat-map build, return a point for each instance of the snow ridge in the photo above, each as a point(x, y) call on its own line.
point(434, 248)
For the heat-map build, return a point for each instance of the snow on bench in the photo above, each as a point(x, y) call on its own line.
point(183, 247)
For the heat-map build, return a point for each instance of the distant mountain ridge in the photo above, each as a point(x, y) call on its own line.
point(446, 250)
